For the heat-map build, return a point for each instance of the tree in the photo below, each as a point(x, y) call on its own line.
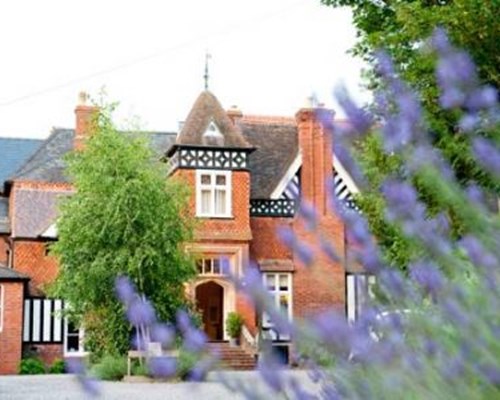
point(125, 218)
point(401, 28)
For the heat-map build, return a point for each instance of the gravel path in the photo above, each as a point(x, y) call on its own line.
point(58, 387)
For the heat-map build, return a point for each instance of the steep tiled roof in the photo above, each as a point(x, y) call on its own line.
point(8, 274)
point(13, 154)
point(34, 210)
point(205, 110)
point(276, 148)
point(48, 165)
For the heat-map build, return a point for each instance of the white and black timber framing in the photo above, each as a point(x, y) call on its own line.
point(192, 157)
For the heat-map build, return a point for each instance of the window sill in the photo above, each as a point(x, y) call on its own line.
point(221, 217)
point(76, 354)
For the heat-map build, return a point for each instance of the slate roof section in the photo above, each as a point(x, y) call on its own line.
point(13, 154)
point(205, 110)
point(276, 147)
point(35, 210)
point(8, 274)
point(4, 215)
point(48, 165)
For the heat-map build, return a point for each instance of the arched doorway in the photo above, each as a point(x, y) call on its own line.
point(209, 300)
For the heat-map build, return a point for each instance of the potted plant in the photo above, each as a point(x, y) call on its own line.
point(234, 323)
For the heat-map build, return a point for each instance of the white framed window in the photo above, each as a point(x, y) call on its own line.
point(213, 193)
point(213, 265)
point(279, 286)
point(73, 339)
point(359, 289)
point(1, 306)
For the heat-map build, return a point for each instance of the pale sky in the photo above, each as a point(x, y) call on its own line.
point(268, 56)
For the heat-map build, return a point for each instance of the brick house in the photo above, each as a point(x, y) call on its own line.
point(248, 173)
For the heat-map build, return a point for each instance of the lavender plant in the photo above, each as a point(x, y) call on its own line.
point(433, 332)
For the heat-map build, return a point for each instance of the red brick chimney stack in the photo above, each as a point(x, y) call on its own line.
point(315, 143)
point(84, 115)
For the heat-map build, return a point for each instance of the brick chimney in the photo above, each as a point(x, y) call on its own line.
point(84, 115)
point(315, 143)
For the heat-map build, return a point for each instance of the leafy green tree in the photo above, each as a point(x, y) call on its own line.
point(125, 218)
point(401, 28)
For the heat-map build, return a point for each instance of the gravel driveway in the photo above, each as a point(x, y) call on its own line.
point(45, 387)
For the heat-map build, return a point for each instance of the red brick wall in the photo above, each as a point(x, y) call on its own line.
point(235, 228)
point(247, 311)
point(3, 250)
point(265, 243)
point(48, 353)
point(11, 334)
point(30, 259)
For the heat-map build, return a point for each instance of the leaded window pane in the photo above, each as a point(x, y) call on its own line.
point(206, 179)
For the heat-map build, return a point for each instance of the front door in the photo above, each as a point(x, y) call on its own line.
point(209, 299)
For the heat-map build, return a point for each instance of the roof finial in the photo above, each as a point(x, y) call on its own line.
point(206, 76)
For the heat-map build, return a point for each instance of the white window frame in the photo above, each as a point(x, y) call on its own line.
point(224, 262)
point(81, 335)
point(2, 290)
point(276, 296)
point(359, 290)
point(212, 187)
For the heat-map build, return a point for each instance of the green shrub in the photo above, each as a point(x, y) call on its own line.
point(185, 363)
point(234, 323)
point(31, 366)
point(57, 367)
point(110, 368)
point(139, 369)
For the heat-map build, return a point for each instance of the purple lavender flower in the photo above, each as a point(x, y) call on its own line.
point(455, 313)
point(440, 41)
point(482, 98)
point(469, 122)
point(305, 254)
point(162, 367)
point(163, 334)
point(183, 321)
point(357, 228)
point(270, 373)
point(332, 329)
point(456, 69)
point(393, 283)
point(487, 154)
point(90, 385)
point(452, 97)
point(125, 289)
point(194, 339)
point(384, 66)
point(476, 195)
point(491, 373)
point(141, 312)
point(201, 369)
point(287, 236)
point(309, 215)
point(299, 392)
point(361, 120)
point(328, 249)
point(427, 275)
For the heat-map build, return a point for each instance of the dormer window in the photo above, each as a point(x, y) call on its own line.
point(213, 194)
point(213, 136)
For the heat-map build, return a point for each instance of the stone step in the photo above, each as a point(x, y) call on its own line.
point(232, 358)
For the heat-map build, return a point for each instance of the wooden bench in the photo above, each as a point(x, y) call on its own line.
point(153, 350)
